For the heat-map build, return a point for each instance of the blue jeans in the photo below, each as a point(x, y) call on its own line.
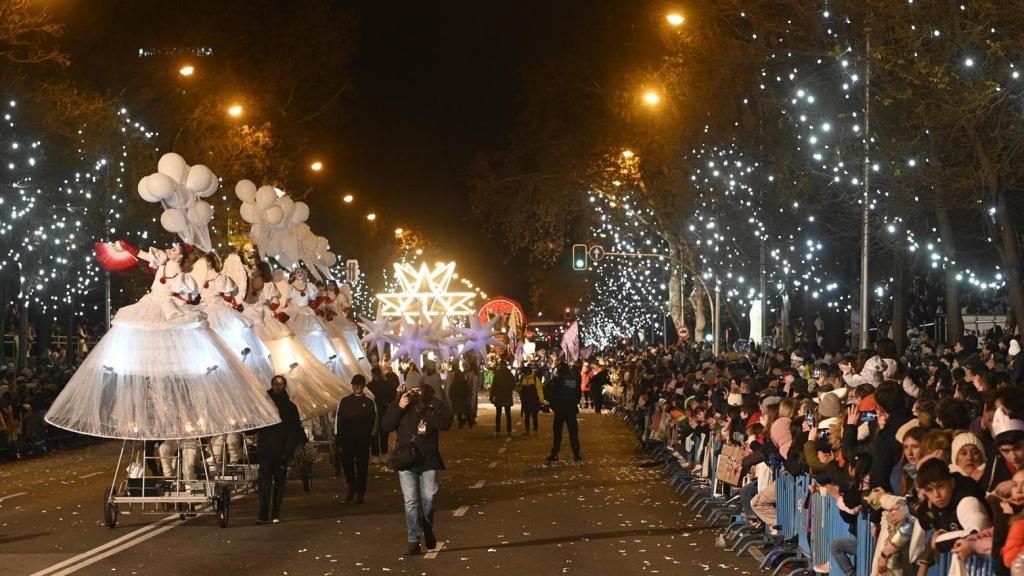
point(419, 489)
point(747, 494)
point(842, 549)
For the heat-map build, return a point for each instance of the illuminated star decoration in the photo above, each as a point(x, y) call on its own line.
point(441, 338)
point(424, 295)
point(412, 343)
point(479, 336)
point(378, 332)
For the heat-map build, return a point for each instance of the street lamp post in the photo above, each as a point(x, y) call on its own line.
point(716, 330)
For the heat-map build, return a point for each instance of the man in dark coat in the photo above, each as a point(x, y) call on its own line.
point(562, 391)
point(355, 425)
point(418, 418)
point(460, 394)
point(276, 444)
point(384, 390)
point(598, 381)
point(502, 388)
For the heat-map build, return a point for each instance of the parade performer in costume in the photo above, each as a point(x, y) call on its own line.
point(160, 372)
point(312, 386)
point(311, 329)
point(335, 308)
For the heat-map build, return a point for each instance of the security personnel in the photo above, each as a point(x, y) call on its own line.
point(356, 423)
point(562, 391)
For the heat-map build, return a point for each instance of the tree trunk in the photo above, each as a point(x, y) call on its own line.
point(899, 309)
point(1010, 254)
point(676, 285)
point(23, 333)
point(954, 320)
point(697, 297)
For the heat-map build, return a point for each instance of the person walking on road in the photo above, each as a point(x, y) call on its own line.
point(502, 389)
point(562, 391)
point(531, 398)
point(418, 419)
point(354, 427)
point(598, 381)
point(276, 444)
point(384, 390)
point(460, 395)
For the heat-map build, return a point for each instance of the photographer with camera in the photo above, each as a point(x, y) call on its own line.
point(418, 419)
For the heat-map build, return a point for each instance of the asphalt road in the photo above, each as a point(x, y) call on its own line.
point(499, 511)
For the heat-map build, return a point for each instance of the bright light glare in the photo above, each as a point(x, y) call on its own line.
point(675, 19)
point(187, 70)
point(371, 216)
point(348, 198)
point(317, 166)
point(651, 98)
point(235, 110)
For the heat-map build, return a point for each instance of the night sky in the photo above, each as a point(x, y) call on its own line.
point(434, 85)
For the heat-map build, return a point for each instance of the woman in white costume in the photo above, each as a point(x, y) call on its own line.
point(344, 332)
point(311, 385)
point(160, 372)
point(311, 329)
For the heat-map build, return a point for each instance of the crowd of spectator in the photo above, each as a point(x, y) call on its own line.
point(928, 442)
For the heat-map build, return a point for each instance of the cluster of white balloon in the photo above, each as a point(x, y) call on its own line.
point(279, 228)
point(413, 340)
point(180, 188)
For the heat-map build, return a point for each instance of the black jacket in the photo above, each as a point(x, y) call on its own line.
point(502, 387)
point(598, 382)
point(949, 518)
point(280, 440)
point(356, 420)
point(562, 390)
point(435, 413)
point(383, 392)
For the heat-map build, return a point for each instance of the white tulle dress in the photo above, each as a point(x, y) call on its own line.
point(313, 332)
point(311, 385)
point(162, 373)
point(219, 301)
point(345, 335)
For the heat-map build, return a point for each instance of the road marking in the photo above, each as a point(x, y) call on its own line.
point(112, 543)
point(433, 553)
point(117, 545)
point(112, 551)
point(460, 511)
point(15, 495)
point(492, 465)
point(90, 475)
point(479, 484)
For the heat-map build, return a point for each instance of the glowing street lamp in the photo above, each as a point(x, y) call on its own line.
point(675, 19)
point(316, 166)
point(187, 70)
point(235, 110)
point(399, 231)
point(652, 98)
point(371, 216)
point(627, 154)
point(348, 198)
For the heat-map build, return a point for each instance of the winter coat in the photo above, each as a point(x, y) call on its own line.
point(460, 393)
point(281, 439)
point(356, 420)
point(597, 383)
point(562, 390)
point(1014, 542)
point(967, 511)
point(437, 416)
point(531, 392)
point(384, 392)
point(502, 387)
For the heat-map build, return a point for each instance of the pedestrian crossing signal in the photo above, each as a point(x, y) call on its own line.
point(579, 256)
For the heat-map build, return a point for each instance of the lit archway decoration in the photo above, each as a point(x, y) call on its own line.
point(504, 307)
point(425, 295)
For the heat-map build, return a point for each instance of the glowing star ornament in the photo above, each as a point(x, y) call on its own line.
point(478, 336)
point(379, 332)
point(424, 295)
point(412, 343)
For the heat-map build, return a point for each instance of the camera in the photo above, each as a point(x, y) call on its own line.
point(869, 416)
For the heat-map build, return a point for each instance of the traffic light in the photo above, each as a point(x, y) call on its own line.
point(567, 313)
point(579, 256)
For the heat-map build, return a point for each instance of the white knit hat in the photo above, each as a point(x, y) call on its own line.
point(1014, 347)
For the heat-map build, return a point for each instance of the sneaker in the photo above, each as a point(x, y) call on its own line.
point(276, 520)
point(577, 459)
point(551, 460)
point(262, 520)
point(413, 550)
point(428, 537)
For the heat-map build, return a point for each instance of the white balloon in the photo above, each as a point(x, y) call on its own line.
point(144, 192)
point(329, 259)
point(274, 214)
point(301, 213)
point(310, 243)
point(321, 245)
point(160, 186)
point(250, 213)
point(302, 231)
point(287, 206)
point(201, 213)
point(273, 247)
point(245, 190)
point(266, 197)
point(174, 166)
point(200, 178)
point(290, 244)
point(173, 220)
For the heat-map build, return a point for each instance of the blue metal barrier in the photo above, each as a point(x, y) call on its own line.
point(785, 504)
point(865, 544)
point(804, 520)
